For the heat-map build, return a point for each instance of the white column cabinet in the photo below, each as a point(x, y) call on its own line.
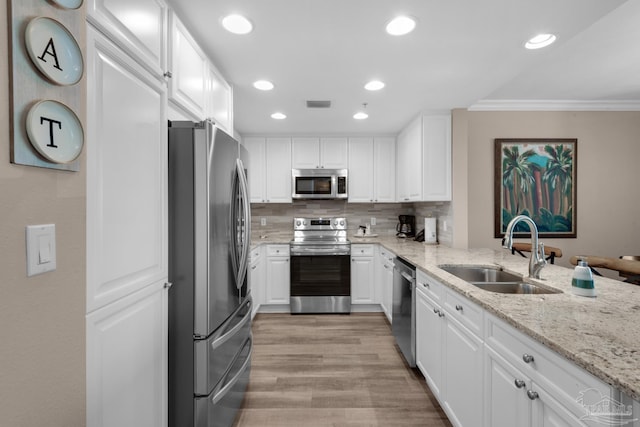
point(313, 153)
point(126, 322)
point(270, 169)
point(278, 277)
point(219, 99)
point(362, 272)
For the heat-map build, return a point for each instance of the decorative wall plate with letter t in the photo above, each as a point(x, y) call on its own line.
point(55, 131)
point(54, 51)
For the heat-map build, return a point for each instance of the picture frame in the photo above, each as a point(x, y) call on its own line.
point(537, 178)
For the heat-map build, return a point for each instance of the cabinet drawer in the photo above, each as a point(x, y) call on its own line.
point(559, 376)
point(431, 287)
point(465, 311)
point(278, 250)
point(254, 254)
point(361, 250)
point(387, 255)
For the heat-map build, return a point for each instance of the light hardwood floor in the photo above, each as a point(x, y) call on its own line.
point(333, 370)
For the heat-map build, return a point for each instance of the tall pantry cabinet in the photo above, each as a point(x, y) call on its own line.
point(127, 263)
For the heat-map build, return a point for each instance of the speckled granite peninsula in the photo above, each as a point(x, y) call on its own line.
point(601, 335)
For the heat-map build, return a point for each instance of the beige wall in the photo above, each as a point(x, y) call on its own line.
point(608, 198)
point(42, 324)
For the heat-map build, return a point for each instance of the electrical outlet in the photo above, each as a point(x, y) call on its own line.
point(444, 225)
point(263, 221)
point(373, 221)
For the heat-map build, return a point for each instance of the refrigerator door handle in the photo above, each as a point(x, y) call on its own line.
point(245, 233)
point(231, 332)
point(234, 219)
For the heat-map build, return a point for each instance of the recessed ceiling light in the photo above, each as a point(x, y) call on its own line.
point(237, 24)
point(263, 85)
point(401, 25)
point(360, 115)
point(539, 41)
point(278, 116)
point(374, 85)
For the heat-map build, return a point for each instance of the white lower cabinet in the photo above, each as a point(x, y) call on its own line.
point(384, 280)
point(278, 277)
point(362, 273)
point(256, 278)
point(127, 361)
point(448, 353)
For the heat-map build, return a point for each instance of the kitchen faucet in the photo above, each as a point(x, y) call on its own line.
point(537, 261)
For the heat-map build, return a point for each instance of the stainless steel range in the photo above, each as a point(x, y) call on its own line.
point(320, 266)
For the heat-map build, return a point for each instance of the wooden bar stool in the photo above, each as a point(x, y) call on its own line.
point(550, 252)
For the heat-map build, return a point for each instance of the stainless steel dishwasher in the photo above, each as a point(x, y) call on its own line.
point(404, 320)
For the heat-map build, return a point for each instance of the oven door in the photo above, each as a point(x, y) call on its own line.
point(320, 284)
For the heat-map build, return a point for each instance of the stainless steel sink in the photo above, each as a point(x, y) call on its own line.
point(496, 280)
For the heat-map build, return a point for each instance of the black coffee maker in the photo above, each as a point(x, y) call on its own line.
point(406, 226)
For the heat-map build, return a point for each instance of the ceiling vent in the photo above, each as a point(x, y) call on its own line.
point(318, 104)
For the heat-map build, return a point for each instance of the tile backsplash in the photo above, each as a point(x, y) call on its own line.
point(280, 215)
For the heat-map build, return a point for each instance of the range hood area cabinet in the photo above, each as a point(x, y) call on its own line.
point(424, 160)
point(319, 153)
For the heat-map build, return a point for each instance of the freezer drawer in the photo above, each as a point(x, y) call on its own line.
point(219, 409)
point(214, 355)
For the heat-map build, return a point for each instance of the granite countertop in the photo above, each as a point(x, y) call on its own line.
point(601, 335)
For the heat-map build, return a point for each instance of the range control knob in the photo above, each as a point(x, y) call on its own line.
point(298, 223)
point(342, 223)
point(304, 222)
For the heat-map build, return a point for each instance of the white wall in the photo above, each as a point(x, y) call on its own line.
point(608, 173)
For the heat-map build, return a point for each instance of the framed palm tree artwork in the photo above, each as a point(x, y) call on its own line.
point(537, 178)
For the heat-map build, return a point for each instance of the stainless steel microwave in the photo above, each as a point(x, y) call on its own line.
point(319, 184)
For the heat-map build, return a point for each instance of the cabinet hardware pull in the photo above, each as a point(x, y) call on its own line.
point(527, 358)
point(520, 383)
point(168, 74)
point(533, 395)
point(254, 267)
point(168, 285)
point(436, 311)
point(440, 313)
point(458, 307)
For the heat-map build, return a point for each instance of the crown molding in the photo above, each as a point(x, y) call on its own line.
point(553, 105)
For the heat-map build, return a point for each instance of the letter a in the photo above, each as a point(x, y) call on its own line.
point(51, 46)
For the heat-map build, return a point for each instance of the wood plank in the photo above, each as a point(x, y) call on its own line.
point(333, 370)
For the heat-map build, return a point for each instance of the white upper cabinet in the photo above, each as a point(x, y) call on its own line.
point(269, 169)
point(424, 160)
point(138, 27)
point(361, 170)
point(436, 160)
point(188, 66)
point(312, 153)
point(219, 101)
point(384, 161)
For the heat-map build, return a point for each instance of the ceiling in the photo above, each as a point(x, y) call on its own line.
point(462, 54)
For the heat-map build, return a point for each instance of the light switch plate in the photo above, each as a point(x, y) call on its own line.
point(41, 249)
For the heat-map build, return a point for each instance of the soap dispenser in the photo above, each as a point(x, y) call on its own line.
point(582, 282)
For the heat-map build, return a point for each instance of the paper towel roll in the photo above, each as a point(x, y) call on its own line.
point(430, 235)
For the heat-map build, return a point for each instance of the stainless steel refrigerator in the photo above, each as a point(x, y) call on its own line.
point(210, 339)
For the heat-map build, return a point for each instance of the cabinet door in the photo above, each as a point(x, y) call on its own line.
point(278, 170)
point(126, 175)
point(127, 361)
point(409, 162)
point(362, 285)
point(361, 170)
point(429, 344)
point(256, 174)
point(219, 100)
point(305, 153)
point(121, 19)
point(187, 85)
point(549, 412)
point(436, 131)
point(505, 390)
point(462, 368)
point(278, 280)
point(256, 282)
point(384, 178)
point(333, 153)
